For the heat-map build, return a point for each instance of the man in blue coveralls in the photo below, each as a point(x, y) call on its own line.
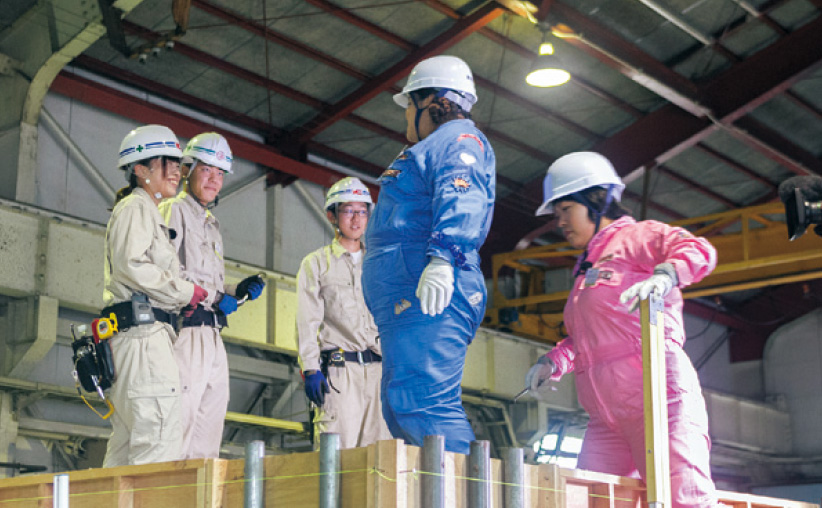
point(421, 274)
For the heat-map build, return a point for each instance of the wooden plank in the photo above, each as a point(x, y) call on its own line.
point(657, 448)
point(388, 484)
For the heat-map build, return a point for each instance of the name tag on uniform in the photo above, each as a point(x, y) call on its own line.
point(591, 276)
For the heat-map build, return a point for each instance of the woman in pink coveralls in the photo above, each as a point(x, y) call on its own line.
point(624, 261)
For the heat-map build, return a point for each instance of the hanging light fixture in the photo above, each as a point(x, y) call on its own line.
point(546, 70)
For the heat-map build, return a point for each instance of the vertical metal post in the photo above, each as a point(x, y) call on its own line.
point(254, 454)
point(657, 454)
point(479, 469)
point(329, 469)
point(514, 476)
point(60, 494)
point(433, 463)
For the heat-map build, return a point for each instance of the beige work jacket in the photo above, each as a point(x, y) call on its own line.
point(140, 257)
point(199, 244)
point(331, 310)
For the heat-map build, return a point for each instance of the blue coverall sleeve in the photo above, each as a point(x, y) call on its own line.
point(461, 200)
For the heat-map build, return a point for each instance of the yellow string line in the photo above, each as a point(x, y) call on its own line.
point(372, 470)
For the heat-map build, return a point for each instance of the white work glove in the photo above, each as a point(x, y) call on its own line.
point(539, 373)
point(436, 286)
point(661, 283)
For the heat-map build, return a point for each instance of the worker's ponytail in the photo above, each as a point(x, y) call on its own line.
point(127, 190)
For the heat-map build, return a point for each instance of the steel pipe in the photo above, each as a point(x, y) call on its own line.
point(254, 453)
point(60, 494)
point(479, 469)
point(329, 469)
point(514, 477)
point(432, 484)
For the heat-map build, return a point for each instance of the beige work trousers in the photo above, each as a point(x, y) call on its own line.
point(203, 364)
point(356, 412)
point(145, 426)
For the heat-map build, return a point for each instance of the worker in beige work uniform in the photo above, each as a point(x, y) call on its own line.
point(144, 290)
point(199, 349)
point(339, 349)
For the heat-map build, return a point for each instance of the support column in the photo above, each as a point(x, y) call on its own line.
point(34, 52)
point(31, 326)
point(9, 434)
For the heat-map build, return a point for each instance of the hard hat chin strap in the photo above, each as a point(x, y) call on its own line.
point(583, 265)
point(417, 116)
point(597, 211)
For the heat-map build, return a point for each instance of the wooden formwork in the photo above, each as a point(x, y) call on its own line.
point(385, 475)
point(182, 484)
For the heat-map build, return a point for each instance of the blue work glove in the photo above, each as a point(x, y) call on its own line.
point(227, 304)
point(316, 387)
point(661, 282)
point(251, 287)
point(436, 286)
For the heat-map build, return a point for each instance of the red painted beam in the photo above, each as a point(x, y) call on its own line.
point(270, 35)
point(669, 130)
point(262, 81)
point(619, 51)
point(351, 18)
point(224, 66)
point(136, 80)
point(530, 54)
point(735, 165)
point(536, 108)
point(804, 104)
point(775, 146)
point(461, 29)
point(699, 188)
point(144, 112)
point(260, 30)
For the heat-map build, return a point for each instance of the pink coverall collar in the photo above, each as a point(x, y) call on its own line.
point(602, 236)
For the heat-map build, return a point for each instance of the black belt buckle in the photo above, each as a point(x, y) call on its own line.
point(336, 358)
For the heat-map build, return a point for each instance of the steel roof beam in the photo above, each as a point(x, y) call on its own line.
point(804, 104)
point(735, 165)
point(530, 55)
point(670, 130)
point(245, 74)
point(272, 36)
point(699, 188)
point(139, 110)
point(775, 146)
point(116, 73)
point(461, 29)
point(351, 71)
point(262, 81)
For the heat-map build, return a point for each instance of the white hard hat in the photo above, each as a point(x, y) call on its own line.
point(442, 72)
point(147, 142)
point(348, 190)
point(576, 172)
point(209, 148)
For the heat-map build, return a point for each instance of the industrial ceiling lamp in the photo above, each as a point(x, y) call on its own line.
point(546, 70)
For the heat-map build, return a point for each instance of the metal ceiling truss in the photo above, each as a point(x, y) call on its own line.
point(139, 110)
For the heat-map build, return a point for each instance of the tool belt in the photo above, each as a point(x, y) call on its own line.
point(338, 357)
point(202, 316)
point(125, 315)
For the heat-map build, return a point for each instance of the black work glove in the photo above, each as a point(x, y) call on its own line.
point(252, 287)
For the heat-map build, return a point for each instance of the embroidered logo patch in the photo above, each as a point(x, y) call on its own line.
point(401, 307)
point(475, 299)
point(467, 158)
point(461, 183)
point(471, 136)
